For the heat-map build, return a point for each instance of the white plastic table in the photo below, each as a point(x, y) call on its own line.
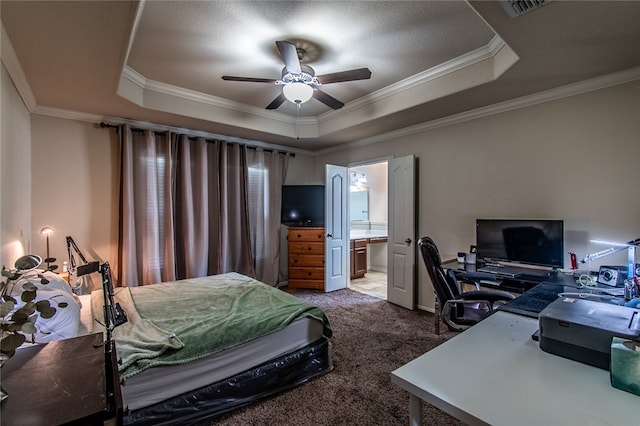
point(494, 373)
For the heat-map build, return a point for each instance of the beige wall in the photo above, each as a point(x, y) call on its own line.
point(15, 169)
point(298, 171)
point(75, 187)
point(574, 159)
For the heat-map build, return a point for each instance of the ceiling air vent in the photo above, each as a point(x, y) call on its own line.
point(520, 7)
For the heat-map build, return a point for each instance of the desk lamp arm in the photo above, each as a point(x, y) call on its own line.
point(82, 269)
point(630, 246)
point(611, 250)
point(72, 247)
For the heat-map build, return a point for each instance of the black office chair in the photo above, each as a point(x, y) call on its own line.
point(459, 310)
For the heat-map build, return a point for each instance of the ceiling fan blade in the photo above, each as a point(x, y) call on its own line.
point(337, 77)
point(250, 79)
point(328, 100)
point(289, 55)
point(277, 101)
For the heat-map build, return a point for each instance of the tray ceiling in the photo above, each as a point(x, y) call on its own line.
point(162, 61)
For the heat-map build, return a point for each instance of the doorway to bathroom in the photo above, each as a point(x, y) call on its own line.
point(368, 217)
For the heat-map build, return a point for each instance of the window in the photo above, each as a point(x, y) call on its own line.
point(258, 195)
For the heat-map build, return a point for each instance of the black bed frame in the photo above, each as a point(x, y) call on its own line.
point(216, 400)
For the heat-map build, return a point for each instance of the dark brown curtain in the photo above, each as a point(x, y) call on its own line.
point(184, 208)
point(145, 250)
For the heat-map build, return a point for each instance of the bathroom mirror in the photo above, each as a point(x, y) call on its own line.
point(359, 206)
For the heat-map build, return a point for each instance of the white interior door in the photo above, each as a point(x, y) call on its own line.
point(401, 278)
point(336, 253)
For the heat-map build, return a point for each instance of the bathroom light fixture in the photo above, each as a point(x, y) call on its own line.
point(358, 182)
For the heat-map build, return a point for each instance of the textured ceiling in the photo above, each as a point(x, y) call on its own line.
point(161, 61)
point(394, 40)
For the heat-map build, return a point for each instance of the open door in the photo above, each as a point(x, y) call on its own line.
point(336, 271)
point(401, 278)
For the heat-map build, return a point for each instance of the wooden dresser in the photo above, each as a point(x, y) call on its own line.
point(306, 257)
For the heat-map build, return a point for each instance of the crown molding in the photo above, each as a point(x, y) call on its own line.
point(69, 114)
point(133, 30)
point(574, 89)
point(475, 68)
point(14, 68)
point(488, 51)
point(312, 125)
point(145, 84)
point(97, 118)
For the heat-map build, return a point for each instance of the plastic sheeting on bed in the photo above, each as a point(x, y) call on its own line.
point(220, 398)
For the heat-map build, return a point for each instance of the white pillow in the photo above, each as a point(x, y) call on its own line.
point(64, 324)
point(56, 282)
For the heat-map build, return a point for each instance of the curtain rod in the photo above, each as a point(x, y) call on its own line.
point(247, 143)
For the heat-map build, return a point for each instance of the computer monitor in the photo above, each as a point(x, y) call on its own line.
point(527, 241)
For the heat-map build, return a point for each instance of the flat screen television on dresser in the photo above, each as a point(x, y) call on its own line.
point(302, 205)
point(528, 241)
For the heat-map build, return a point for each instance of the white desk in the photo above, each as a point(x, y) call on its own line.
point(494, 373)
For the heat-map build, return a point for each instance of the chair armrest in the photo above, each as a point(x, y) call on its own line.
point(474, 276)
point(490, 295)
point(468, 302)
point(479, 297)
point(446, 311)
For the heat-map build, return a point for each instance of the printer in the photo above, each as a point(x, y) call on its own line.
point(582, 329)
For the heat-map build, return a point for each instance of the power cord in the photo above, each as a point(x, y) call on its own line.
point(586, 295)
point(586, 280)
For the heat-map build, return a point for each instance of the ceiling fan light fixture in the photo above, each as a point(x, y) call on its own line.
point(297, 92)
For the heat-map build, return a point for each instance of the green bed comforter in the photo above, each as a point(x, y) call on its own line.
point(178, 322)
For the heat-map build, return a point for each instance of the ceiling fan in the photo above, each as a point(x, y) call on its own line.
point(299, 80)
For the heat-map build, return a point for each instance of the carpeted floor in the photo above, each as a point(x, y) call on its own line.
point(371, 338)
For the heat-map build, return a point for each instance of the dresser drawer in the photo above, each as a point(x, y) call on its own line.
point(305, 283)
point(308, 273)
point(306, 248)
point(306, 234)
point(315, 260)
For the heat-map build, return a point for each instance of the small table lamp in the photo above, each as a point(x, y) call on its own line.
point(47, 230)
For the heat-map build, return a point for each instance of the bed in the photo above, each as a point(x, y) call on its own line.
point(196, 349)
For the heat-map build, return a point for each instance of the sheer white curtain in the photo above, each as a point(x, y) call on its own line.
point(186, 210)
